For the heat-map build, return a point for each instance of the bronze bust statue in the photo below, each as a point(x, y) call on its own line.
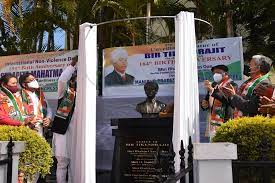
point(151, 107)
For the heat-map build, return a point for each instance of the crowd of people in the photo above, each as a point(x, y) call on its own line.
point(225, 100)
point(27, 106)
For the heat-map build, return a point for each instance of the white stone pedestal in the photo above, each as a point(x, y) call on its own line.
point(214, 162)
point(17, 148)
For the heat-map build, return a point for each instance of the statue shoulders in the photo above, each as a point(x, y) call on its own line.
point(140, 106)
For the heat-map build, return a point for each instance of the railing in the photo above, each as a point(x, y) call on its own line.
point(261, 171)
point(8, 161)
point(253, 171)
point(178, 176)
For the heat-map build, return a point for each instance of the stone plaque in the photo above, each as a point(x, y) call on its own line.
point(136, 146)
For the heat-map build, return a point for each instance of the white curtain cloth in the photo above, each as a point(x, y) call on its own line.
point(83, 160)
point(186, 96)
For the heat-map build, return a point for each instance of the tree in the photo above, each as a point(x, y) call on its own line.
point(8, 42)
point(134, 32)
point(253, 20)
point(72, 13)
point(29, 21)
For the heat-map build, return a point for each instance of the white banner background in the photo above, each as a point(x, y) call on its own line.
point(157, 62)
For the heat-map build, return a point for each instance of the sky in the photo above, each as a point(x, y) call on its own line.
point(59, 38)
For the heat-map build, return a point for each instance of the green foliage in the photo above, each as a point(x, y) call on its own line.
point(248, 133)
point(255, 17)
point(33, 20)
point(252, 20)
point(214, 12)
point(69, 14)
point(29, 22)
point(8, 41)
point(37, 157)
point(135, 32)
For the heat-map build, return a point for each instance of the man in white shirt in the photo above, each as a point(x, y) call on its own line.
point(39, 109)
point(33, 95)
point(64, 122)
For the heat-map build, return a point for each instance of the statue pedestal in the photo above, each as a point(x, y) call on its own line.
point(214, 162)
point(136, 143)
point(17, 148)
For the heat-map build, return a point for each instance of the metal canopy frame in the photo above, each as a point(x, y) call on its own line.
point(153, 17)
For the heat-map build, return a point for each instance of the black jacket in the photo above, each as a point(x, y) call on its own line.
point(217, 95)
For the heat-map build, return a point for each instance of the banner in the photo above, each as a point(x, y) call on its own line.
point(157, 63)
point(46, 67)
point(127, 69)
point(225, 51)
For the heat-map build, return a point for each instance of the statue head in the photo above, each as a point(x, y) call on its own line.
point(151, 89)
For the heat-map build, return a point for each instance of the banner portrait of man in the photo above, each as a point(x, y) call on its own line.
point(119, 60)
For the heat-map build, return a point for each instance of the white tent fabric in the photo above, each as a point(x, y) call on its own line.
point(83, 161)
point(186, 116)
point(186, 96)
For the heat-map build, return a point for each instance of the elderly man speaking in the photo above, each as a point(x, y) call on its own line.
point(119, 76)
point(246, 101)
